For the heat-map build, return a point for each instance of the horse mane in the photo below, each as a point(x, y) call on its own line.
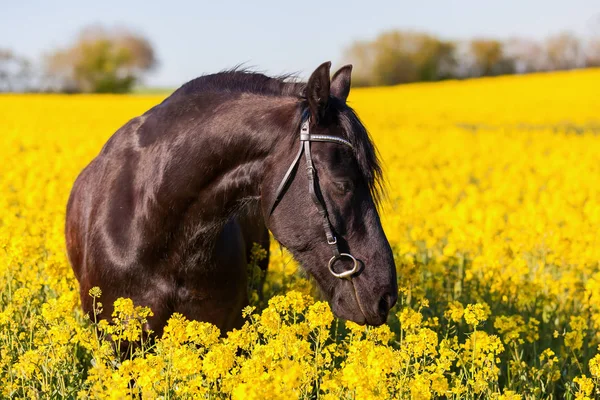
point(365, 151)
point(244, 80)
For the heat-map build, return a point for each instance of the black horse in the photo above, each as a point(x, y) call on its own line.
point(167, 212)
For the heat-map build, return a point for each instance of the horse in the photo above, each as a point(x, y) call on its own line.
point(168, 210)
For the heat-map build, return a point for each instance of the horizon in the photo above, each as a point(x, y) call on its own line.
point(244, 31)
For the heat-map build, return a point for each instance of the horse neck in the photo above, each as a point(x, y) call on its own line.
point(233, 151)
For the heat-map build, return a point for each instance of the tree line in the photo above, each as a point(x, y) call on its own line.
point(396, 57)
point(99, 60)
point(102, 60)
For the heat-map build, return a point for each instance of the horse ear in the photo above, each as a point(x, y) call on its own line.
point(340, 83)
point(317, 91)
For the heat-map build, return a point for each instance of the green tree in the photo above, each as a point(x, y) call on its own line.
point(489, 59)
point(361, 55)
point(396, 57)
point(101, 61)
point(400, 57)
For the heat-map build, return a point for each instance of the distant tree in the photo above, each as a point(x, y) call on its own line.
point(361, 54)
point(592, 50)
point(527, 55)
point(400, 57)
point(445, 60)
point(393, 63)
point(101, 61)
point(15, 72)
point(488, 58)
point(396, 57)
point(565, 51)
point(592, 53)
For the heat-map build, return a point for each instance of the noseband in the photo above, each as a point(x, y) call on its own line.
point(305, 139)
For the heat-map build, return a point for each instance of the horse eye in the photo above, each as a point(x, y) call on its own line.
point(343, 186)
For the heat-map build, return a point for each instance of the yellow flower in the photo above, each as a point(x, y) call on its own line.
point(595, 366)
point(476, 313)
point(492, 212)
point(410, 319)
point(455, 311)
point(95, 292)
point(218, 361)
point(319, 316)
point(586, 386)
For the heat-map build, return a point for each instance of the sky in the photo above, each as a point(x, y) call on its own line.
point(192, 38)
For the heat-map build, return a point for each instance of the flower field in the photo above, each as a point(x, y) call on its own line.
point(492, 209)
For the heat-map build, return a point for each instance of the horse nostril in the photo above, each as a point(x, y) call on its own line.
point(386, 302)
point(384, 305)
point(392, 298)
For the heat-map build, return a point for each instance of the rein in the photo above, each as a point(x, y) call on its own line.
point(305, 139)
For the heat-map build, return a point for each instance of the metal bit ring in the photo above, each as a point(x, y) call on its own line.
point(345, 274)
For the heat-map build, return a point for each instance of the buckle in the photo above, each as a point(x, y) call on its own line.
point(346, 274)
point(332, 242)
point(304, 128)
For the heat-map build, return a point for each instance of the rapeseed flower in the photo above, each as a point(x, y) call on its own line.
point(492, 212)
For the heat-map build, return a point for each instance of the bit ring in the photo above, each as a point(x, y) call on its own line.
point(345, 274)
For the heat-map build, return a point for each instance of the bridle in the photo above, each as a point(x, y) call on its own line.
point(305, 139)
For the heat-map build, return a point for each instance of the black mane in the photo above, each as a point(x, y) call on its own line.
point(238, 80)
point(365, 152)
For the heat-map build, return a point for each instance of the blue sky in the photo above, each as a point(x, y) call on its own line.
point(196, 37)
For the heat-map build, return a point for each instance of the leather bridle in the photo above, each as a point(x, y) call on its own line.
point(305, 139)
